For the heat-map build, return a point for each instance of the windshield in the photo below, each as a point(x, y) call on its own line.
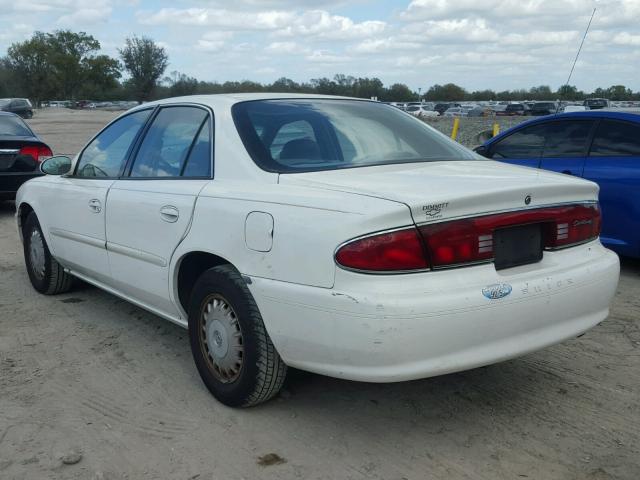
point(4, 102)
point(11, 125)
point(324, 134)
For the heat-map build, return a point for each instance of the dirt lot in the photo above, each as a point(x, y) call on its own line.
point(111, 390)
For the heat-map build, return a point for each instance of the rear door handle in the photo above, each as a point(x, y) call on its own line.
point(169, 213)
point(567, 172)
point(95, 206)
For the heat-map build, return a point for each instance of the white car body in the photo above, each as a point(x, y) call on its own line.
point(281, 232)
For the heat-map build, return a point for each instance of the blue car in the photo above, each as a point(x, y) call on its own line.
point(601, 146)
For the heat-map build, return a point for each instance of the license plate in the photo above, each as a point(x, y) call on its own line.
point(515, 246)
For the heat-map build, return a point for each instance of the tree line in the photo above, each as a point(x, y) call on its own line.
point(67, 65)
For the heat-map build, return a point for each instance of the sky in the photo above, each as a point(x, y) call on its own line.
point(478, 44)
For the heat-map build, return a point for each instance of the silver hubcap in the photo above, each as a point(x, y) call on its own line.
point(36, 254)
point(221, 338)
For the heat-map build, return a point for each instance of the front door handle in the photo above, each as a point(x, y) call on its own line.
point(567, 172)
point(95, 206)
point(169, 213)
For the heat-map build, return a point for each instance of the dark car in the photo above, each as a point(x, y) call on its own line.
point(21, 152)
point(19, 106)
point(443, 107)
point(598, 145)
point(512, 109)
point(596, 103)
point(542, 108)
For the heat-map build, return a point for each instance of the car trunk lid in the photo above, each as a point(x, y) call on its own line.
point(437, 191)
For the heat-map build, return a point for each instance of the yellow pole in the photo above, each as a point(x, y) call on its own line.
point(496, 129)
point(456, 124)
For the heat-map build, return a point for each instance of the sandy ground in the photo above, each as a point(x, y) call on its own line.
point(111, 390)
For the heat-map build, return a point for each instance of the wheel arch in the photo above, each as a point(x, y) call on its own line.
point(23, 211)
point(188, 269)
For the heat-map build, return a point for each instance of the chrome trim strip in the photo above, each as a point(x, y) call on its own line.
point(77, 237)
point(137, 254)
point(8, 151)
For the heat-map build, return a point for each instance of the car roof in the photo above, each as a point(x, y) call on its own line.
point(633, 116)
point(228, 99)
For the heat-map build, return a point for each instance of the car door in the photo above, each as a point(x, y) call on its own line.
point(521, 147)
point(149, 209)
point(73, 206)
point(614, 164)
point(565, 145)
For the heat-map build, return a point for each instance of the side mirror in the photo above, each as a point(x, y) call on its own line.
point(482, 150)
point(58, 165)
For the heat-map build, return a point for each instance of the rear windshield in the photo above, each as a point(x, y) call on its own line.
point(302, 135)
point(10, 125)
point(4, 102)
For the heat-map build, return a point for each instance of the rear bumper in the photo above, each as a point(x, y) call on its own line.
point(403, 327)
point(10, 182)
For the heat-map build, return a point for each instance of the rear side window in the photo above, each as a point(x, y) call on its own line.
point(616, 139)
point(106, 154)
point(170, 140)
point(525, 143)
point(566, 139)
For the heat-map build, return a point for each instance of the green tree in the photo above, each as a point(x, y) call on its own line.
point(30, 63)
point(181, 84)
point(101, 74)
point(398, 92)
point(69, 53)
point(447, 92)
point(146, 62)
point(619, 92)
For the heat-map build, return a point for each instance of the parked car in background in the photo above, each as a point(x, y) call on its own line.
point(601, 146)
point(409, 239)
point(455, 112)
point(21, 152)
point(513, 109)
point(442, 107)
point(19, 106)
point(421, 111)
point(574, 108)
point(479, 111)
point(596, 103)
point(543, 108)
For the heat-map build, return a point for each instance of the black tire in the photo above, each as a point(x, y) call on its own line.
point(258, 371)
point(48, 276)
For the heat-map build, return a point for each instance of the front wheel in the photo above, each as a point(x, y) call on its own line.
point(230, 345)
point(46, 274)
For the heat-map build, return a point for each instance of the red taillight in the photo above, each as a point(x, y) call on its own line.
point(392, 251)
point(471, 240)
point(38, 153)
point(466, 241)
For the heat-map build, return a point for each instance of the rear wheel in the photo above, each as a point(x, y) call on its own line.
point(46, 274)
point(231, 348)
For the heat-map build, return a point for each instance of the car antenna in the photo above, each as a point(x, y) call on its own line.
point(577, 55)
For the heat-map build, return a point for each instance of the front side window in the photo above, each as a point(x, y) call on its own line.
point(616, 139)
point(106, 154)
point(169, 141)
point(321, 134)
point(567, 138)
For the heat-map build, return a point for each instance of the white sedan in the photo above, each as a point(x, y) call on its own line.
point(334, 235)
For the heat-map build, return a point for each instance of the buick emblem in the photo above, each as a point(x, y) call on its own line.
point(527, 200)
point(496, 291)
